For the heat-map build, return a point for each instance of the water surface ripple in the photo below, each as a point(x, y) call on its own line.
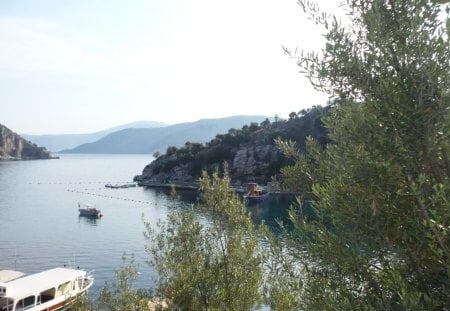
point(40, 227)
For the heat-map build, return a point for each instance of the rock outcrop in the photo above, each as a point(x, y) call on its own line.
point(250, 153)
point(249, 163)
point(250, 159)
point(14, 147)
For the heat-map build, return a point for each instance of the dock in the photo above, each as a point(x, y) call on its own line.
point(194, 186)
point(176, 185)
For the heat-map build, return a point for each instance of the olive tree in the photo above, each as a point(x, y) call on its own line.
point(121, 294)
point(208, 257)
point(377, 235)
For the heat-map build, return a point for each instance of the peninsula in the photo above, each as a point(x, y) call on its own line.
point(250, 152)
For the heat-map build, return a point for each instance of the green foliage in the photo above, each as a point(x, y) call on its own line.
point(211, 265)
point(223, 147)
point(306, 170)
point(121, 296)
point(171, 150)
point(156, 154)
point(379, 239)
point(81, 304)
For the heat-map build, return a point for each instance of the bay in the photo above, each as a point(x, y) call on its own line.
point(40, 227)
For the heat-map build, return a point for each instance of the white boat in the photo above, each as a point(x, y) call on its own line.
point(89, 211)
point(117, 186)
point(53, 289)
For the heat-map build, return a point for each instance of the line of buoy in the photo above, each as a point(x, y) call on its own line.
point(77, 182)
point(111, 197)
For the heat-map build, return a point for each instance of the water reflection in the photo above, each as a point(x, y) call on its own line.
point(269, 211)
point(272, 210)
point(90, 220)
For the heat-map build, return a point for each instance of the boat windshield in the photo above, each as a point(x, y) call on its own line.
point(25, 303)
point(6, 304)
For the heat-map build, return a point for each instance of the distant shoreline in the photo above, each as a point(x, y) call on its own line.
point(26, 158)
point(182, 186)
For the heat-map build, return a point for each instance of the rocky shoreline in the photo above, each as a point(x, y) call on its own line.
point(177, 186)
point(272, 188)
point(13, 147)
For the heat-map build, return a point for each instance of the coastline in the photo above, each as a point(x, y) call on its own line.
point(180, 185)
point(27, 158)
point(194, 186)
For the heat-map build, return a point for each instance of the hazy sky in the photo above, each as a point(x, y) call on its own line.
point(78, 66)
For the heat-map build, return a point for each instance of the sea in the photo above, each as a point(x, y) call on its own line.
point(40, 227)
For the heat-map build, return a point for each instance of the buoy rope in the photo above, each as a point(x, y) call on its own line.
point(112, 197)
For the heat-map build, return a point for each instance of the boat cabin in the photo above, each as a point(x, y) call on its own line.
point(253, 189)
point(255, 193)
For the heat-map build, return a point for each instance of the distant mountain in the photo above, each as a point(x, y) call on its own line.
point(14, 147)
point(56, 142)
point(150, 140)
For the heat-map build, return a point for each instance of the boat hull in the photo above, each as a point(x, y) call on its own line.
point(85, 213)
point(251, 199)
point(89, 211)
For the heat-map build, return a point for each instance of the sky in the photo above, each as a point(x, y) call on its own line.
point(86, 65)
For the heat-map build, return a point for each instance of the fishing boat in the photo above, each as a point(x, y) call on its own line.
point(255, 193)
point(89, 211)
point(54, 289)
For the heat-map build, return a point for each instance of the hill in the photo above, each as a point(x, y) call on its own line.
point(15, 147)
point(67, 141)
point(250, 152)
point(151, 140)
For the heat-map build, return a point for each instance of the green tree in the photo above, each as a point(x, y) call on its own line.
point(171, 150)
point(156, 154)
point(265, 123)
point(121, 296)
point(377, 237)
point(211, 265)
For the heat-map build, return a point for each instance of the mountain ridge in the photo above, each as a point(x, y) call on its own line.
point(150, 140)
point(58, 142)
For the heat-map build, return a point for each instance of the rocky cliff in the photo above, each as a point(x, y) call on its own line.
point(250, 153)
point(14, 147)
point(248, 162)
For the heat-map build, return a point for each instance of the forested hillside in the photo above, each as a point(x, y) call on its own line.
point(250, 152)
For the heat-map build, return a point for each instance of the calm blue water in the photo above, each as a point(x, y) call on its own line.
point(40, 227)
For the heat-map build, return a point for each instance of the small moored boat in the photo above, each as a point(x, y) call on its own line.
point(53, 289)
point(117, 186)
point(89, 211)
